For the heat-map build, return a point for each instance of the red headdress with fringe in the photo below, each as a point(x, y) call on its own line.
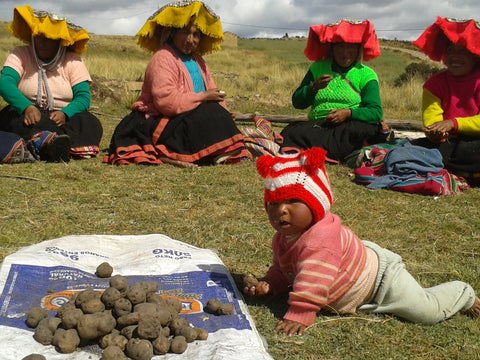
point(435, 39)
point(322, 36)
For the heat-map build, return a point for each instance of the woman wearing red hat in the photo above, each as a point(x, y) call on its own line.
point(342, 93)
point(451, 98)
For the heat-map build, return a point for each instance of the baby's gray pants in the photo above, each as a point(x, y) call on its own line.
point(398, 293)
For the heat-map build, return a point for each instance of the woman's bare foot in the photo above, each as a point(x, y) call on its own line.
point(474, 311)
point(178, 163)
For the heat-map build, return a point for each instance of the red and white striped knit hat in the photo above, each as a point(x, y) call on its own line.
point(299, 176)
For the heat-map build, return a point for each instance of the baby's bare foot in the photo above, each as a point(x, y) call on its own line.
point(178, 163)
point(474, 311)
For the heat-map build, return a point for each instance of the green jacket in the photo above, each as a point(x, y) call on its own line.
point(355, 88)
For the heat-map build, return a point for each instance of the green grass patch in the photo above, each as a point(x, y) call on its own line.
point(222, 208)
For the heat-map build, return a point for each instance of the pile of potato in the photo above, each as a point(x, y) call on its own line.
point(124, 320)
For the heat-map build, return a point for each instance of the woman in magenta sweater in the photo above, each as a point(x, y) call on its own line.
point(322, 264)
point(451, 98)
point(180, 117)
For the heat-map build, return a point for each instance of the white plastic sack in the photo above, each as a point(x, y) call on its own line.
point(45, 275)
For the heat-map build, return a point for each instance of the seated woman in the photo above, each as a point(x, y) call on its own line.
point(342, 93)
point(451, 98)
point(180, 117)
point(46, 86)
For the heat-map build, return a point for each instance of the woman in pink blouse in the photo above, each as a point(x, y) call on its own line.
point(180, 117)
point(46, 86)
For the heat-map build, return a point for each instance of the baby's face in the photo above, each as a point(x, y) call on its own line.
point(459, 61)
point(290, 217)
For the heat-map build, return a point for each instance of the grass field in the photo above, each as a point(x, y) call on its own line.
point(221, 207)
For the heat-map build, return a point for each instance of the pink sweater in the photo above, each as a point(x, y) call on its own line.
point(168, 88)
point(60, 82)
point(320, 266)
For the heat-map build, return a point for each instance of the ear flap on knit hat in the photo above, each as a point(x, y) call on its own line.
point(264, 165)
point(314, 159)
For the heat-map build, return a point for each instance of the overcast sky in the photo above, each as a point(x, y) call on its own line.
point(401, 19)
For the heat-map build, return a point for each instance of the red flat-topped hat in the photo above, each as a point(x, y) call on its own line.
point(322, 36)
point(437, 36)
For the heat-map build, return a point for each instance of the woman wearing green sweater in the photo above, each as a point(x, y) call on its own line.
point(342, 93)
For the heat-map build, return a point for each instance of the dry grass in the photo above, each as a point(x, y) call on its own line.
point(221, 207)
point(402, 102)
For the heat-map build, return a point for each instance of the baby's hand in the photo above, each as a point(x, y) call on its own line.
point(290, 328)
point(261, 289)
point(321, 83)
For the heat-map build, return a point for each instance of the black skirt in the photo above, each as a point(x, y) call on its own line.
point(460, 155)
point(339, 141)
point(197, 136)
point(84, 129)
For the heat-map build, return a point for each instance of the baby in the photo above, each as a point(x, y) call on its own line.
point(323, 264)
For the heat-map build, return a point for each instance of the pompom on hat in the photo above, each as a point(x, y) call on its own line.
point(299, 176)
point(321, 37)
point(435, 39)
point(28, 22)
point(178, 14)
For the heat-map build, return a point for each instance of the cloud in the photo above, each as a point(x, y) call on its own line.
point(402, 19)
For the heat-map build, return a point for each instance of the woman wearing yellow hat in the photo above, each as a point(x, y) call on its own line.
point(180, 117)
point(46, 86)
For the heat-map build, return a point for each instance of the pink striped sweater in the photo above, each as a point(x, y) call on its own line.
point(318, 267)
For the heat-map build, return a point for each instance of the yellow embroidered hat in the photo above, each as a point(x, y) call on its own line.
point(179, 14)
point(28, 22)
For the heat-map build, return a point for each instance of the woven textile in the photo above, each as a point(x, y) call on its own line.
point(13, 149)
point(398, 168)
point(262, 139)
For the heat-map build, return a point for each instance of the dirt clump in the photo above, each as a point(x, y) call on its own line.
point(104, 270)
point(216, 307)
point(249, 280)
point(34, 357)
point(35, 315)
point(123, 320)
